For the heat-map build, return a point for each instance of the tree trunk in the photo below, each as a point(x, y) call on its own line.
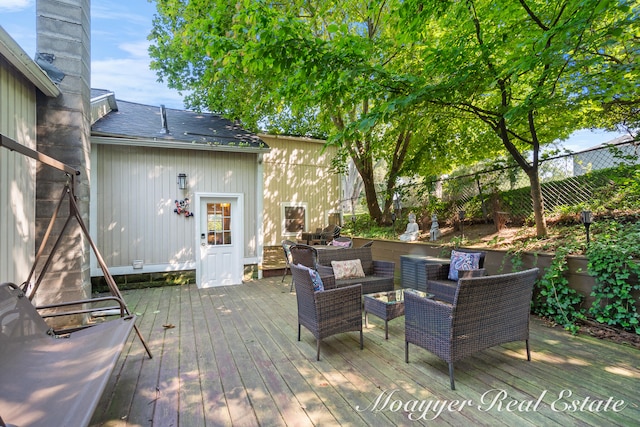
point(538, 202)
point(532, 172)
point(360, 153)
point(372, 197)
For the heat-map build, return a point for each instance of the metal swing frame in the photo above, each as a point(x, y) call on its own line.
point(68, 192)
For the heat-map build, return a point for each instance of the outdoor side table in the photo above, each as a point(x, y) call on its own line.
point(412, 270)
point(387, 306)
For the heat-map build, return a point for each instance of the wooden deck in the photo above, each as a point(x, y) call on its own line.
point(233, 359)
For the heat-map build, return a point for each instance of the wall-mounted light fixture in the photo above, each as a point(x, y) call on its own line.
point(587, 220)
point(182, 181)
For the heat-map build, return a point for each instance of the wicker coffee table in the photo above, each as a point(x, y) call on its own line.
point(387, 306)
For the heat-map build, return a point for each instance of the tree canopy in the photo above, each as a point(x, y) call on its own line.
point(424, 85)
point(531, 71)
point(300, 67)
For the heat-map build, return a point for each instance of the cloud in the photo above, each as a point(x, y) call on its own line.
point(15, 5)
point(136, 49)
point(119, 13)
point(119, 49)
point(133, 81)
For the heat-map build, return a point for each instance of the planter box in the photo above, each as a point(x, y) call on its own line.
point(495, 262)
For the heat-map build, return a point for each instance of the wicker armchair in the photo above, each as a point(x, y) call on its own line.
point(486, 311)
point(305, 255)
point(438, 282)
point(286, 248)
point(328, 312)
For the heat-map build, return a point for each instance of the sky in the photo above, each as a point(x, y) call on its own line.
point(119, 57)
point(120, 60)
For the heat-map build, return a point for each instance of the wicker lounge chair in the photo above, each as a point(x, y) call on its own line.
point(328, 312)
point(486, 311)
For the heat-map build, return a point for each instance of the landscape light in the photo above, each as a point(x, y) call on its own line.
point(587, 220)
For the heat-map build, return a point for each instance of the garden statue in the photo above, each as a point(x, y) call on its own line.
point(434, 233)
point(411, 233)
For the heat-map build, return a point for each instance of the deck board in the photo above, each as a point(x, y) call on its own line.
point(233, 359)
point(213, 399)
point(154, 317)
point(126, 372)
point(168, 383)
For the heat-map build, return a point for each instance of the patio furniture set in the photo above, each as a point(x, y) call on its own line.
point(308, 254)
point(451, 307)
point(321, 236)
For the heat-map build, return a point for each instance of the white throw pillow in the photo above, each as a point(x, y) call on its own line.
point(350, 269)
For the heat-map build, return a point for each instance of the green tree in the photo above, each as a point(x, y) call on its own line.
point(423, 85)
point(532, 71)
point(297, 67)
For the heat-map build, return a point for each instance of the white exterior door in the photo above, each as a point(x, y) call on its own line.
point(220, 240)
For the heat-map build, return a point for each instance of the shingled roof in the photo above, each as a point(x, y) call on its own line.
point(149, 125)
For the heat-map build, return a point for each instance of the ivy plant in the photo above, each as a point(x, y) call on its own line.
point(514, 256)
point(554, 299)
point(612, 264)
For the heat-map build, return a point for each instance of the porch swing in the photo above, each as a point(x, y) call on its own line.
point(40, 366)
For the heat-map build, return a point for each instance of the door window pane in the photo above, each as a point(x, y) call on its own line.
point(219, 223)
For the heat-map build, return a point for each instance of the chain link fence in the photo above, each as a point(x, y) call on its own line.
point(502, 193)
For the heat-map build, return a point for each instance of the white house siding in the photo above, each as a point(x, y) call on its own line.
point(296, 170)
point(101, 106)
point(605, 157)
point(136, 193)
point(17, 175)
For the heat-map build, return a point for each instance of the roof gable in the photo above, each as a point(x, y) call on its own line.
point(17, 57)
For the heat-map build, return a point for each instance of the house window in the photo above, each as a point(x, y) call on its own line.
point(294, 218)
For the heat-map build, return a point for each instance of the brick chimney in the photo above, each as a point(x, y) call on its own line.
point(63, 132)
